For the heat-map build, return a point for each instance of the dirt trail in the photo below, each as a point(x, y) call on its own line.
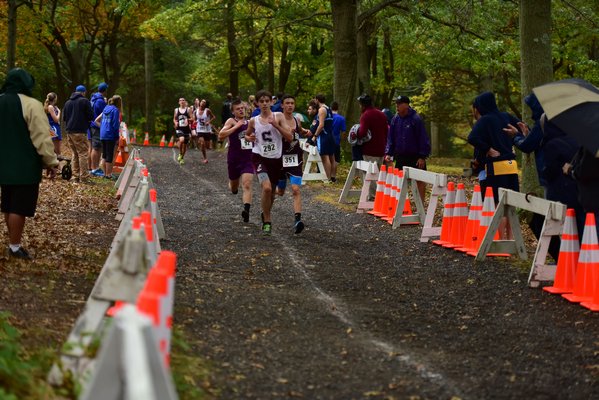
point(351, 309)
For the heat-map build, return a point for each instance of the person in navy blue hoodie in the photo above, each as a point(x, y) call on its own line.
point(493, 145)
point(109, 122)
point(76, 116)
point(495, 149)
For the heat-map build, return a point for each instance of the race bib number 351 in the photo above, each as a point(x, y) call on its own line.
point(290, 160)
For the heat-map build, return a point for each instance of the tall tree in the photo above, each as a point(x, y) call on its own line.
point(536, 66)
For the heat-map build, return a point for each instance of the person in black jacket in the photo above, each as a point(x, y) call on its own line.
point(77, 114)
point(584, 168)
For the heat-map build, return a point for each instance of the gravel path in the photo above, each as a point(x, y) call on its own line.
point(352, 309)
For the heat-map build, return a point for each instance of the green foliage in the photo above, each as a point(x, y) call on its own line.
point(21, 374)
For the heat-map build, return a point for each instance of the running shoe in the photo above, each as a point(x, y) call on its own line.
point(205, 161)
point(181, 161)
point(266, 228)
point(298, 227)
point(245, 215)
point(21, 253)
point(179, 157)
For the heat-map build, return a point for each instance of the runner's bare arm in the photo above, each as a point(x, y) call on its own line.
point(175, 121)
point(229, 127)
point(322, 115)
point(250, 135)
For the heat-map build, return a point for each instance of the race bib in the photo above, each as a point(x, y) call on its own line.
point(245, 145)
point(182, 121)
point(290, 160)
point(269, 149)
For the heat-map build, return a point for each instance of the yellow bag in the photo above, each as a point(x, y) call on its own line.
point(505, 167)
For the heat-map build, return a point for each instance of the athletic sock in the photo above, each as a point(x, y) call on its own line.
point(298, 217)
point(246, 206)
point(14, 247)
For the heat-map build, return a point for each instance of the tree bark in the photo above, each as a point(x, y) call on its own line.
point(232, 48)
point(536, 68)
point(11, 45)
point(149, 84)
point(345, 80)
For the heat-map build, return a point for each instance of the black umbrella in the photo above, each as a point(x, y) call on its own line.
point(573, 105)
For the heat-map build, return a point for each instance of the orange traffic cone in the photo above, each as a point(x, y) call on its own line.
point(111, 312)
point(447, 214)
point(147, 139)
point(171, 142)
point(567, 260)
point(485, 220)
point(380, 186)
point(473, 223)
point(394, 197)
point(163, 141)
point(588, 264)
point(459, 218)
point(386, 192)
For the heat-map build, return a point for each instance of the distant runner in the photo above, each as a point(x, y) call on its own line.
point(182, 119)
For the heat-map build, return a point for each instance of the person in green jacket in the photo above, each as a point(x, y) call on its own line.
point(26, 150)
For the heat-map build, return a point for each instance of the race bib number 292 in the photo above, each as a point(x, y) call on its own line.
point(269, 148)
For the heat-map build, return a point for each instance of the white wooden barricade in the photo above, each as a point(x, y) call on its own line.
point(554, 213)
point(128, 366)
point(439, 188)
point(313, 157)
point(121, 278)
point(371, 173)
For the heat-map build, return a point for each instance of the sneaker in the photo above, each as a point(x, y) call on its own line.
point(21, 253)
point(181, 161)
point(333, 179)
point(111, 177)
point(179, 157)
point(298, 227)
point(245, 215)
point(97, 173)
point(205, 161)
point(266, 228)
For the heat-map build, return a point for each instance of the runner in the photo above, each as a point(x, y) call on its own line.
point(266, 131)
point(239, 156)
point(292, 161)
point(182, 119)
point(204, 117)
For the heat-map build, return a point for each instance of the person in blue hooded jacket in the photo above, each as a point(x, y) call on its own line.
point(98, 102)
point(495, 150)
point(109, 122)
point(493, 145)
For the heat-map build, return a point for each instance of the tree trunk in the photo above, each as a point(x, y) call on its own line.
point(536, 68)
point(231, 47)
point(363, 56)
point(271, 65)
point(11, 45)
point(345, 81)
point(149, 82)
point(285, 66)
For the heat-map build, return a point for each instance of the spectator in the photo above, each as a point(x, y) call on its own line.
point(324, 134)
point(26, 149)
point(375, 121)
point(109, 122)
point(277, 104)
point(548, 140)
point(584, 168)
point(98, 101)
point(339, 129)
point(251, 106)
point(53, 113)
point(226, 111)
point(407, 142)
point(495, 149)
point(77, 115)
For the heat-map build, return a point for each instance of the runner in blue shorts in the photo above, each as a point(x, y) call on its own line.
point(292, 161)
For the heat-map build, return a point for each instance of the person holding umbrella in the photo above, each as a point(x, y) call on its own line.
point(573, 106)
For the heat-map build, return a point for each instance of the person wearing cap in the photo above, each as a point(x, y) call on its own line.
point(98, 102)
point(407, 143)
point(373, 120)
point(26, 149)
point(77, 115)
